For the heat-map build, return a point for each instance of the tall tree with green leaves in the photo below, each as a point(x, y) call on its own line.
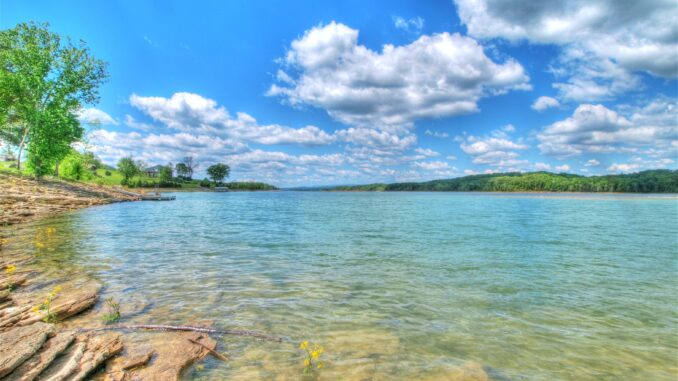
point(44, 81)
point(217, 172)
point(165, 174)
point(181, 170)
point(128, 169)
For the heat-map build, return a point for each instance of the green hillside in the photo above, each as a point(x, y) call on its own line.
point(654, 181)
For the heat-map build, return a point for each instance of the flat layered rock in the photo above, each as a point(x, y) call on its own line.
point(173, 354)
point(137, 359)
point(87, 354)
point(99, 349)
point(64, 306)
point(65, 365)
point(19, 344)
point(31, 368)
point(12, 280)
point(119, 368)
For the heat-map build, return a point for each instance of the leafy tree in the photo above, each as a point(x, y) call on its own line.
point(128, 169)
point(217, 172)
point(44, 81)
point(165, 174)
point(181, 170)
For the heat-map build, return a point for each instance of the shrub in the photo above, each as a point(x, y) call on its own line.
point(73, 167)
point(107, 173)
point(205, 183)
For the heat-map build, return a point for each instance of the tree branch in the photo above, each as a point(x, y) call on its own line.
point(156, 327)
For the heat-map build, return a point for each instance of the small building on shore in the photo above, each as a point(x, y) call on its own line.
point(153, 171)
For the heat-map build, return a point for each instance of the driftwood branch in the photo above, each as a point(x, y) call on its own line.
point(210, 350)
point(211, 331)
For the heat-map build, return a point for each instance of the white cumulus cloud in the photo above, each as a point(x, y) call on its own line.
point(597, 129)
point(603, 41)
point(495, 150)
point(195, 113)
point(96, 117)
point(624, 168)
point(543, 103)
point(435, 76)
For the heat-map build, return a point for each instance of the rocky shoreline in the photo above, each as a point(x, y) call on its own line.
point(23, 198)
point(65, 340)
point(69, 341)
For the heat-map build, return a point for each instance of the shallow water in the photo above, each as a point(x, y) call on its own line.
point(395, 285)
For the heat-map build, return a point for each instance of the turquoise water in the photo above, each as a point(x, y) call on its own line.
point(399, 285)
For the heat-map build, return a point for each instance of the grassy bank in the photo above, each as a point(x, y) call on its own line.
point(113, 178)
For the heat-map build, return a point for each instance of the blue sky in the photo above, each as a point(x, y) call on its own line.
point(310, 93)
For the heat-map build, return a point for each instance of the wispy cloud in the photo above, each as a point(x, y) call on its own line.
point(412, 25)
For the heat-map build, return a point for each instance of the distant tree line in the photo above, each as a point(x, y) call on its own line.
point(133, 172)
point(249, 186)
point(653, 181)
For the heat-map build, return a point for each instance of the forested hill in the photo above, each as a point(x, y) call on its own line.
point(654, 181)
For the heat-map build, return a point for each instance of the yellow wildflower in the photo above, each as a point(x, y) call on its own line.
point(303, 345)
point(10, 269)
point(315, 355)
point(39, 245)
point(307, 362)
point(51, 230)
point(36, 309)
point(57, 288)
point(3, 241)
point(320, 365)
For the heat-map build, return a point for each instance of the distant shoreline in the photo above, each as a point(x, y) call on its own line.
point(668, 194)
point(659, 181)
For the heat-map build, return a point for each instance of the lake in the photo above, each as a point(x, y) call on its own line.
point(396, 285)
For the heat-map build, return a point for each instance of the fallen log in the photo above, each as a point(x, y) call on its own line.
point(189, 328)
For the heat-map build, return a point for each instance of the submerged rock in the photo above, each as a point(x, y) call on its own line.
point(172, 354)
point(469, 371)
point(12, 280)
point(137, 359)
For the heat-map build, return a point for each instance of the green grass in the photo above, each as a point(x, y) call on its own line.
point(99, 177)
point(6, 166)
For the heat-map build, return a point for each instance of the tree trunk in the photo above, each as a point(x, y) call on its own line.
point(21, 147)
point(18, 158)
